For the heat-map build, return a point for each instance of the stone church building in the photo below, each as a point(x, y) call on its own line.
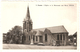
point(56, 35)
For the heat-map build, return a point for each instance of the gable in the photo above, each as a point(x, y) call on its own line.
point(46, 31)
point(39, 33)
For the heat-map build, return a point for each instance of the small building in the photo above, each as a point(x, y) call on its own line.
point(72, 39)
point(75, 39)
point(4, 37)
point(56, 35)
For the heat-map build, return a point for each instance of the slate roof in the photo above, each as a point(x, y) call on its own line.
point(75, 33)
point(55, 29)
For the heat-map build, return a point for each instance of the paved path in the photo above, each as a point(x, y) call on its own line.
point(22, 46)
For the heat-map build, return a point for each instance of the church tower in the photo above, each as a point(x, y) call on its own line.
point(27, 23)
point(27, 27)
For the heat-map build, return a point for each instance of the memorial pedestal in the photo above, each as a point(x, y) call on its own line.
point(31, 42)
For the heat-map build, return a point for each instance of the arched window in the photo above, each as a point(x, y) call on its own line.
point(29, 38)
point(36, 38)
point(58, 37)
point(63, 36)
point(24, 25)
point(45, 37)
point(33, 37)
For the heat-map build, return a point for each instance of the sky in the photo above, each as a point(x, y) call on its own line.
point(46, 14)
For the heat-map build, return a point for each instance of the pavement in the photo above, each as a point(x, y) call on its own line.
point(24, 46)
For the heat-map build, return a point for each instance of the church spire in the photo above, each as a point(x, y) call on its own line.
point(28, 13)
point(27, 23)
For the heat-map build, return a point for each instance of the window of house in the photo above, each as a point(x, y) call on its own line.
point(45, 37)
point(74, 37)
point(74, 43)
point(58, 37)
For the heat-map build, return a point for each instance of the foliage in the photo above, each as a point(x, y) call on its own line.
point(15, 35)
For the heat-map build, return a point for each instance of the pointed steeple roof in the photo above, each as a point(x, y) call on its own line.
point(28, 13)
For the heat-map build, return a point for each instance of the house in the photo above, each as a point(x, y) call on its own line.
point(4, 37)
point(75, 39)
point(72, 39)
point(56, 35)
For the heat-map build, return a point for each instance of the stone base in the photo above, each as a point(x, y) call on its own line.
point(31, 43)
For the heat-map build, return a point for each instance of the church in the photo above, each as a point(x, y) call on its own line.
point(56, 35)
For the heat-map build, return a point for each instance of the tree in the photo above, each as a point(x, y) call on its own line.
point(8, 37)
point(15, 35)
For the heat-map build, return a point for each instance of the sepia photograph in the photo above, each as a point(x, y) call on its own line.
point(39, 25)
